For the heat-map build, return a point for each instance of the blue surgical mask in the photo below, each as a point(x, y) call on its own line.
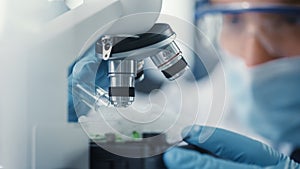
point(267, 97)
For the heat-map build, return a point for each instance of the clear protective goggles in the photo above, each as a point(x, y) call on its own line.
point(275, 27)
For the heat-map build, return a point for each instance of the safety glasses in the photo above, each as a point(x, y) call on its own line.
point(275, 27)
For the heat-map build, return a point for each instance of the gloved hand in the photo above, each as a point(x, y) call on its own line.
point(89, 70)
point(235, 152)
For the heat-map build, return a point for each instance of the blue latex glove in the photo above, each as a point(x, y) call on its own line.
point(89, 69)
point(235, 152)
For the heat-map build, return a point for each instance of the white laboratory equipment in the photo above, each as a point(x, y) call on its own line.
point(39, 42)
point(34, 92)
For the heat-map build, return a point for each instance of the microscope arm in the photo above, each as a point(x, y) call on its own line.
point(95, 18)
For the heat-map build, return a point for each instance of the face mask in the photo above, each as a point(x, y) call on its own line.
point(267, 97)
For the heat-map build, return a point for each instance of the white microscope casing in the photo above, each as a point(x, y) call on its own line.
point(37, 53)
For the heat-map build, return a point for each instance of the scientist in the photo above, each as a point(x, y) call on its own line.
point(259, 45)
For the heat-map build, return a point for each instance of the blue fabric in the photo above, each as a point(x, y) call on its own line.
point(234, 151)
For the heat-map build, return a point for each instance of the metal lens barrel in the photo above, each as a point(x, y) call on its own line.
point(122, 75)
point(126, 55)
point(170, 61)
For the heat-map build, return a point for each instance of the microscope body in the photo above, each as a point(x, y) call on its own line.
point(126, 57)
point(37, 118)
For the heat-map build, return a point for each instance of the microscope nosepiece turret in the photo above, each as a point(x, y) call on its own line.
point(126, 54)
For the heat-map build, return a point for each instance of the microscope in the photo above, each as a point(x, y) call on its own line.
point(126, 57)
point(125, 34)
point(125, 45)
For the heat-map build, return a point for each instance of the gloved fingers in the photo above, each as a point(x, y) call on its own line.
point(87, 65)
point(178, 158)
point(285, 163)
point(102, 79)
point(86, 73)
point(231, 146)
point(91, 70)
